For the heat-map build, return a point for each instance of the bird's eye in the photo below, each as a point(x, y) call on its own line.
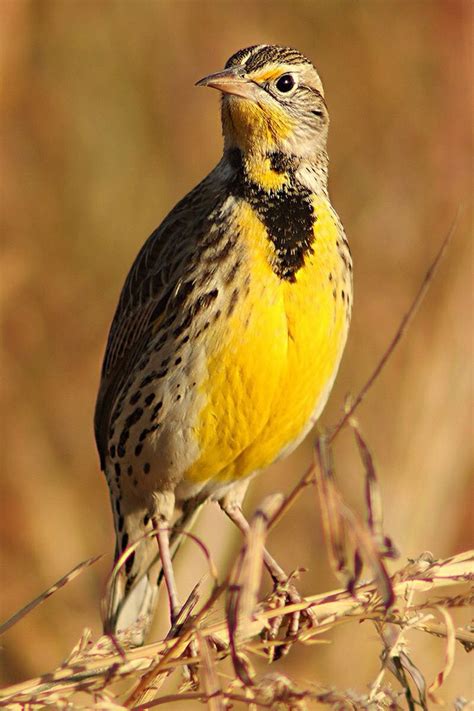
point(285, 83)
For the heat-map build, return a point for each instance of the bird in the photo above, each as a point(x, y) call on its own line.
point(229, 329)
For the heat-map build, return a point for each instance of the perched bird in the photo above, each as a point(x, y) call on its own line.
point(229, 329)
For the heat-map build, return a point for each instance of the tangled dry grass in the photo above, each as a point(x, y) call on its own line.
point(216, 645)
point(418, 596)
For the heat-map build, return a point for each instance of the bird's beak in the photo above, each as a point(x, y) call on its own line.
point(231, 81)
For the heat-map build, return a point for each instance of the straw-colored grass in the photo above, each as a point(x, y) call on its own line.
point(418, 597)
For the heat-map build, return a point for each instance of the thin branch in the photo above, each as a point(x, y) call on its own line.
point(47, 593)
point(405, 322)
point(200, 696)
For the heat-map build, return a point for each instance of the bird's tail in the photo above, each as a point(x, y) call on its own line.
point(132, 591)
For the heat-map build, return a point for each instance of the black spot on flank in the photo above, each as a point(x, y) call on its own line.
point(146, 467)
point(224, 251)
point(112, 451)
point(165, 362)
point(149, 398)
point(120, 523)
point(204, 301)
point(124, 541)
point(138, 450)
point(135, 397)
point(230, 276)
point(148, 379)
point(334, 294)
point(330, 276)
point(143, 435)
point(122, 442)
point(117, 506)
point(134, 417)
point(117, 468)
point(178, 361)
point(343, 295)
point(204, 278)
point(144, 362)
point(151, 377)
point(156, 409)
point(178, 397)
point(116, 413)
point(129, 563)
point(130, 470)
point(232, 302)
point(135, 482)
point(217, 315)
point(146, 519)
point(183, 325)
point(185, 340)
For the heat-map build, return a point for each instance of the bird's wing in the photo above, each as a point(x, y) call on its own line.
point(152, 289)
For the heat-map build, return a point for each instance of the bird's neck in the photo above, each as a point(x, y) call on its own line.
point(272, 171)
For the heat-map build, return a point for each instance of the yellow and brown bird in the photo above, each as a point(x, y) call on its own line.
point(229, 329)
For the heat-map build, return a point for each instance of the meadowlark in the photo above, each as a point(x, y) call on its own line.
point(229, 329)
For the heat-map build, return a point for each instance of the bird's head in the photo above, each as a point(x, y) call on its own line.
point(272, 101)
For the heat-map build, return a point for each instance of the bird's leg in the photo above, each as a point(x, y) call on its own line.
point(178, 613)
point(236, 515)
point(169, 541)
point(281, 580)
point(162, 536)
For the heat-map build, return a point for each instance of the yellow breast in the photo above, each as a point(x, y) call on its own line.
point(274, 359)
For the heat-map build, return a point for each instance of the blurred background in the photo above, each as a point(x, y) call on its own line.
point(102, 132)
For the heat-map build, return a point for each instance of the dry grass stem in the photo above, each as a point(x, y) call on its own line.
point(401, 330)
point(15, 618)
point(93, 667)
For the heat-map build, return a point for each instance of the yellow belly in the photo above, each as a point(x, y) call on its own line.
point(275, 358)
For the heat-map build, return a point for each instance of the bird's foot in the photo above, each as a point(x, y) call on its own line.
point(190, 671)
point(285, 594)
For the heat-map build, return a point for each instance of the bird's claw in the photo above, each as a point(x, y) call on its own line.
point(284, 594)
point(190, 671)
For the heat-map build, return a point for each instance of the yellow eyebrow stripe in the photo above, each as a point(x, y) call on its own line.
point(268, 75)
